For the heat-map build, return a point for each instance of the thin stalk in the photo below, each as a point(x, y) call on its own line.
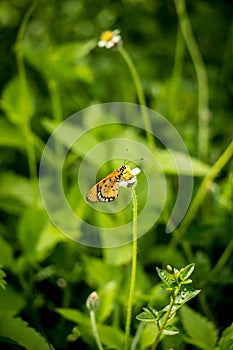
point(133, 273)
point(142, 101)
point(55, 100)
point(24, 89)
point(198, 200)
point(202, 78)
point(95, 330)
point(141, 96)
point(137, 337)
point(161, 328)
point(222, 260)
point(176, 75)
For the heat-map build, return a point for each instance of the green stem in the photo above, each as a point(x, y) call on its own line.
point(55, 100)
point(166, 318)
point(95, 331)
point(202, 78)
point(197, 201)
point(222, 260)
point(133, 273)
point(137, 337)
point(24, 89)
point(141, 97)
point(176, 76)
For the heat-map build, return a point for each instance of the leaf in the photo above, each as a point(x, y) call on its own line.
point(15, 192)
point(186, 271)
point(6, 256)
point(148, 335)
point(166, 277)
point(31, 224)
point(18, 330)
point(48, 239)
point(107, 295)
point(11, 136)
point(10, 344)
point(169, 160)
point(170, 329)
point(185, 295)
point(64, 62)
point(18, 101)
point(148, 315)
point(199, 331)
point(75, 316)
point(11, 302)
point(117, 256)
point(98, 273)
point(110, 336)
point(226, 341)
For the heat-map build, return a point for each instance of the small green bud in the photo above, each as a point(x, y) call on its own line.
point(92, 302)
point(169, 268)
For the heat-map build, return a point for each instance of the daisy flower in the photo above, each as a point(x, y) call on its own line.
point(110, 39)
point(132, 181)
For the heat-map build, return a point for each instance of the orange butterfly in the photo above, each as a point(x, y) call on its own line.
point(106, 190)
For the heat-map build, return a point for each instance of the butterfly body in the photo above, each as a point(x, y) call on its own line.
point(106, 190)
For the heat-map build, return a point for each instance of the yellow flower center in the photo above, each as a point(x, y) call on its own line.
point(107, 36)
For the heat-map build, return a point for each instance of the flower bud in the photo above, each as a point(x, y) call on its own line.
point(92, 301)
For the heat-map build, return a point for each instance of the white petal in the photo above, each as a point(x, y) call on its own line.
point(136, 171)
point(101, 43)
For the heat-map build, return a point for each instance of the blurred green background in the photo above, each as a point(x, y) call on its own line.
point(50, 68)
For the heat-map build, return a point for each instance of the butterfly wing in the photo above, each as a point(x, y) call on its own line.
point(105, 190)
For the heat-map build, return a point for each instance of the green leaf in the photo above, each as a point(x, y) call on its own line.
point(167, 278)
point(186, 271)
point(31, 224)
point(117, 256)
point(107, 295)
point(6, 256)
point(10, 344)
point(199, 331)
point(11, 136)
point(11, 302)
point(169, 160)
point(148, 335)
point(15, 192)
point(110, 336)
point(185, 295)
point(18, 330)
point(148, 315)
point(64, 62)
point(226, 341)
point(48, 239)
point(98, 273)
point(18, 101)
point(75, 316)
point(170, 329)
point(2, 281)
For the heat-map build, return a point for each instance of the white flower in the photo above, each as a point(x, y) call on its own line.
point(130, 181)
point(109, 39)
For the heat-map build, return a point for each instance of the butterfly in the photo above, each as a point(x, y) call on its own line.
point(106, 190)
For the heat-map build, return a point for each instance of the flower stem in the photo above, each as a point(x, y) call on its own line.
point(141, 97)
point(202, 78)
point(95, 331)
point(133, 273)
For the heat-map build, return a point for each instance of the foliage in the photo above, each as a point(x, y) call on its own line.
point(50, 68)
point(175, 281)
